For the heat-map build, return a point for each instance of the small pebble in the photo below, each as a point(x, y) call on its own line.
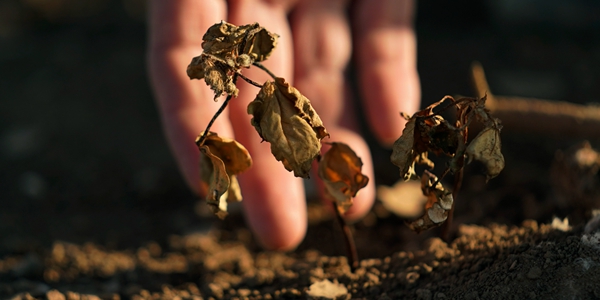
point(424, 294)
point(55, 295)
point(473, 295)
point(534, 273)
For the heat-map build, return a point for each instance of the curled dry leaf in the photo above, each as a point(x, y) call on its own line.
point(486, 147)
point(285, 118)
point(227, 49)
point(439, 203)
point(221, 161)
point(227, 41)
point(442, 138)
point(403, 154)
point(418, 137)
point(340, 170)
point(217, 75)
point(217, 180)
point(416, 140)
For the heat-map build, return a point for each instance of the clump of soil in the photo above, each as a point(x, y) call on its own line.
point(543, 261)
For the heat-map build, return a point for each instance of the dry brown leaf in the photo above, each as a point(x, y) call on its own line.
point(234, 155)
point(217, 75)
point(285, 118)
point(340, 170)
point(260, 45)
point(227, 41)
point(420, 133)
point(218, 182)
point(439, 203)
point(442, 137)
point(403, 155)
point(221, 160)
point(227, 49)
point(486, 147)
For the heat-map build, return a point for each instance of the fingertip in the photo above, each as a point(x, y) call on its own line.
point(386, 52)
point(387, 135)
point(393, 89)
point(283, 240)
point(274, 204)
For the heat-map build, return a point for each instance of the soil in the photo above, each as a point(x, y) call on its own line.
point(93, 207)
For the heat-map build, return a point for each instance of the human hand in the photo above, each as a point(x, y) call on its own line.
point(313, 50)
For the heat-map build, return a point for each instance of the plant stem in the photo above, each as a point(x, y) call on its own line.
point(250, 81)
point(262, 67)
point(201, 140)
point(350, 246)
point(446, 228)
point(458, 177)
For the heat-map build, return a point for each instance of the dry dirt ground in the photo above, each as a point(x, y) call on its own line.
point(92, 206)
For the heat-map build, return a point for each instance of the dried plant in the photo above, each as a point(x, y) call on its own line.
point(285, 119)
point(426, 132)
point(281, 115)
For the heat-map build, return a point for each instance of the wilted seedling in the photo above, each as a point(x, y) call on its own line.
point(427, 131)
point(281, 115)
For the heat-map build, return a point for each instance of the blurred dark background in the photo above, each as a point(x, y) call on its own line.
point(82, 156)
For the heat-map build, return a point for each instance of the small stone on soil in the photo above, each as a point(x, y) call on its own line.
point(534, 273)
point(327, 290)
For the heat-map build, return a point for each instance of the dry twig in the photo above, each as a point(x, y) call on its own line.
point(538, 116)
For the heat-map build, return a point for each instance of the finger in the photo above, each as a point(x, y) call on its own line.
point(185, 106)
point(386, 55)
point(322, 51)
point(274, 199)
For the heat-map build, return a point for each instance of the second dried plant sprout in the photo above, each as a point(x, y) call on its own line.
point(427, 131)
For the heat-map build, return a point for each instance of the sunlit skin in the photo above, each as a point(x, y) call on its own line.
point(317, 41)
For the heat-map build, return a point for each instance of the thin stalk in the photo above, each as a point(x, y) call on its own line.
point(446, 232)
point(201, 140)
point(262, 67)
point(458, 177)
point(250, 81)
point(350, 246)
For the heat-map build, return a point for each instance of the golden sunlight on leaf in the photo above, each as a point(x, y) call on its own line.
point(285, 118)
point(403, 155)
point(340, 170)
point(221, 160)
point(218, 182)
